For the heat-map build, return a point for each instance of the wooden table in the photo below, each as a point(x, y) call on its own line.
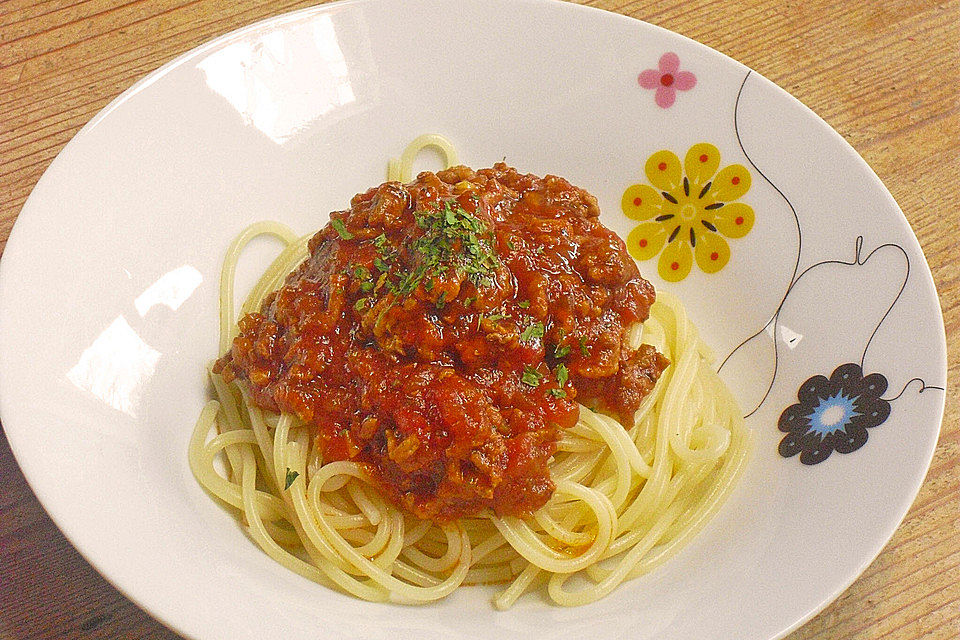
point(885, 74)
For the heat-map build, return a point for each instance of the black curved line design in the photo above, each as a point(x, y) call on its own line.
point(795, 278)
point(796, 266)
point(858, 260)
point(906, 278)
point(923, 387)
point(796, 218)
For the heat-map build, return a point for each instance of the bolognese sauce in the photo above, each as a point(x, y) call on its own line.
point(443, 332)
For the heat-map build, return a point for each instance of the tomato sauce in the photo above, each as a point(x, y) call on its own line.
point(442, 333)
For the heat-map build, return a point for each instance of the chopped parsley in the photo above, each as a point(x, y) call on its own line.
point(531, 377)
point(534, 330)
point(360, 304)
point(441, 299)
point(451, 237)
point(381, 265)
point(291, 476)
point(562, 374)
point(493, 317)
point(511, 245)
point(558, 393)
point(583, 346)
point(409, 281)
point(468, 301)
point(380, 241)
point(524, 305)
point(340, 228)
point(561, 351)
point(366, 285)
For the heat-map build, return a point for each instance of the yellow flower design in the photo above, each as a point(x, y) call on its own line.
point(688, 211)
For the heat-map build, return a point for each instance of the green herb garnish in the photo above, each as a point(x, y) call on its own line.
point(531, 377)
point(583, 346)
point(558, 393)
point(561, 351)
point(381, 265)
point(291, 476)
point(524, 305)
point(534, 330)
point(441, 299)
point(340, 228)
point(452, 237)
point(360, 304)
point(493, 317)
point(562, 375)
point(366, 286)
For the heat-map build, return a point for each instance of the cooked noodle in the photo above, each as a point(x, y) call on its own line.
point(627, 496)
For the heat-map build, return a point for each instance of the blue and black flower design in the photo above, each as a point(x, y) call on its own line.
point(833, 414)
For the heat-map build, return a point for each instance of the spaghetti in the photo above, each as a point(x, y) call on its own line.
point(626, 498)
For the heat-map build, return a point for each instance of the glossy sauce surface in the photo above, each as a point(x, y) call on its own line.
point(442, 333)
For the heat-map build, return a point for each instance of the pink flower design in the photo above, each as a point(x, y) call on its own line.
point(667, 80)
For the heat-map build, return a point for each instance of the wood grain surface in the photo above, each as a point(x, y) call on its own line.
point(885, 74)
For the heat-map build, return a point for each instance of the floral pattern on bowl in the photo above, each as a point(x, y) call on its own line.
point(833, 414)
point(667, 79)
point(688, 210)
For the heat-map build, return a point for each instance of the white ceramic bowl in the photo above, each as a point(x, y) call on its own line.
point(108, 300)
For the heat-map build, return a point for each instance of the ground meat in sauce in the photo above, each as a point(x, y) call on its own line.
point(443, 331)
